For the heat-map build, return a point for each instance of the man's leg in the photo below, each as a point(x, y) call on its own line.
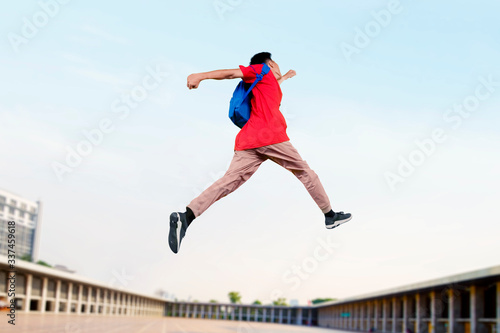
point(242, 167)
point(287, 156)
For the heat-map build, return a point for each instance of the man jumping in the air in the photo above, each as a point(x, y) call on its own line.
point(263, 137)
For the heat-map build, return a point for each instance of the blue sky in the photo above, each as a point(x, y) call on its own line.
point(351, 119)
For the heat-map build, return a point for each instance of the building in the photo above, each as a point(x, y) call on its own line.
point(27, 216)
point(42, 289)
point(462, 303)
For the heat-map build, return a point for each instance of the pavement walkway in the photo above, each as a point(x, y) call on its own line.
point(63, 323)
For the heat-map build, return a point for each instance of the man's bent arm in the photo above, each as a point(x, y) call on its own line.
point(194, 80)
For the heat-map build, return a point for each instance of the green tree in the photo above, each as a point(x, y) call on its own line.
point(322, 300)
point(257, 302)
point(234, 297)
point(213, 301)
point(43, 263)
point(280, 302)
point(26, 257)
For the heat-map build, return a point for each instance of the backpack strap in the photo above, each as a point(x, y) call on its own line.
point(258, 78)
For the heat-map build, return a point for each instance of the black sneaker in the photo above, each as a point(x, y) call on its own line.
point(178, 226)
point(338, 219)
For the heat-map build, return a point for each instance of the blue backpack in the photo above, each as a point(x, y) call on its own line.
point(240, 106)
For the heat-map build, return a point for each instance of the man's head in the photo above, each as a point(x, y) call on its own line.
point(265, 57)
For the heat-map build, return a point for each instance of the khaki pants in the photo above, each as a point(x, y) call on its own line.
point(246, 162)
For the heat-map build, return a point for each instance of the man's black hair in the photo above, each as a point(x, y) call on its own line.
point(260, 58)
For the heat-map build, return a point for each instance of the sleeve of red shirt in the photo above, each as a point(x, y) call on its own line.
point(248, 73)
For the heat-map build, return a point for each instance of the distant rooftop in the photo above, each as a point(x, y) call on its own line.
point(426, 285)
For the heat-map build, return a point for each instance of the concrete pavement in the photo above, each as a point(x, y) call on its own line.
point(54, 323)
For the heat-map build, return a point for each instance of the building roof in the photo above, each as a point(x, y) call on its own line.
point(18, 197)
point(25, 266)
point(426, 285)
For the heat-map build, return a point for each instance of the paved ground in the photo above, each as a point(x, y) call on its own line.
point(50, 323)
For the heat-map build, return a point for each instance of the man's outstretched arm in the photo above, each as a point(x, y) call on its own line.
point(193, 80)
point(291, 73)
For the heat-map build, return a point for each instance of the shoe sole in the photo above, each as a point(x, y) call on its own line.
point(174, 235)
point(337, 223)
point(178, 234)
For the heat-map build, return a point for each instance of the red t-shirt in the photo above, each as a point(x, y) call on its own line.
point(266, 125)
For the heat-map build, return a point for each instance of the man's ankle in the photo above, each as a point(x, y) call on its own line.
point(189, 216)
